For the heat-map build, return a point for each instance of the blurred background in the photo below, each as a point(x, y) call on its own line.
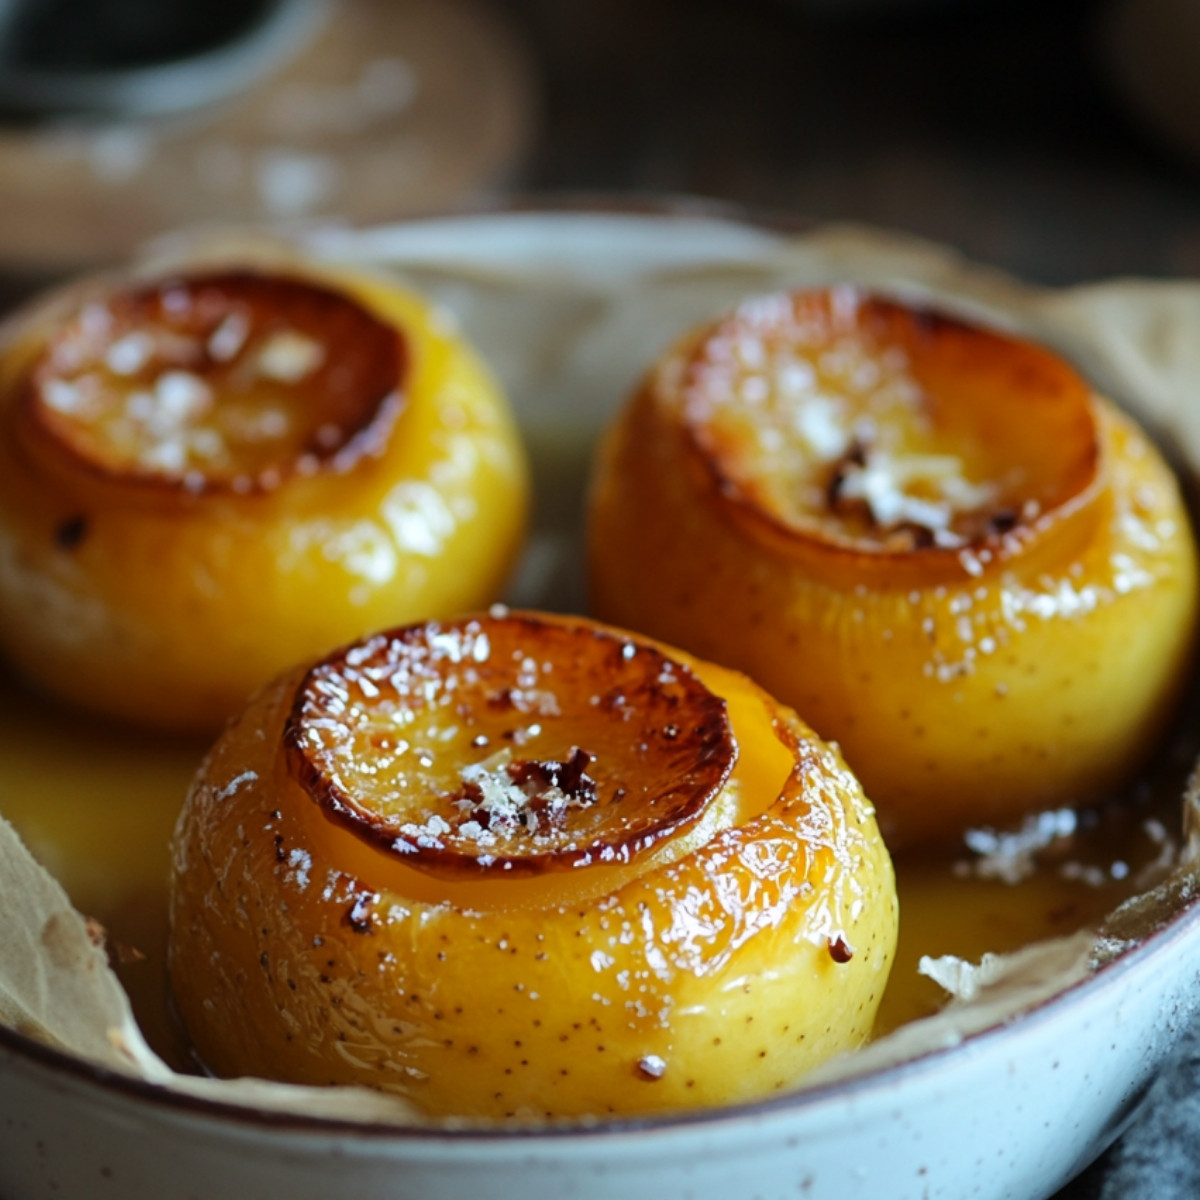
point(1059, 139)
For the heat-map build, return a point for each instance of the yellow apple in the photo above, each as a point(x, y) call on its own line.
point(522, 866)
point(210, 475)
point(933, 540)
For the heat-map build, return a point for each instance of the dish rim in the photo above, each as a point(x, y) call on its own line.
point(882, 1080)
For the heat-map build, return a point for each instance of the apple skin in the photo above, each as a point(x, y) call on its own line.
point(718, 967)
point(966, 686)
point(166, 609)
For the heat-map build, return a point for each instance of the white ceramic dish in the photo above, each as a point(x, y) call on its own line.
point(1013, 1110)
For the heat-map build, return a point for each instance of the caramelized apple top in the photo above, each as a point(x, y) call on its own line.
point(850, 420)
point(508, 743)
point(218, 381)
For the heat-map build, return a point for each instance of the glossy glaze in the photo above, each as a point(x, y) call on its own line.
point(633, 961)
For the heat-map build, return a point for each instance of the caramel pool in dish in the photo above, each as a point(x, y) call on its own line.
point(208, 475)
point(516, 865)
point(932, 539)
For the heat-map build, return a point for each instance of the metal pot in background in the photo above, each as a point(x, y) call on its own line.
point(127, 58)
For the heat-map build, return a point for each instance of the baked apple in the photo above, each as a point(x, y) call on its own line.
point(210, 475)
point(522, 866)
point(933, 540)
